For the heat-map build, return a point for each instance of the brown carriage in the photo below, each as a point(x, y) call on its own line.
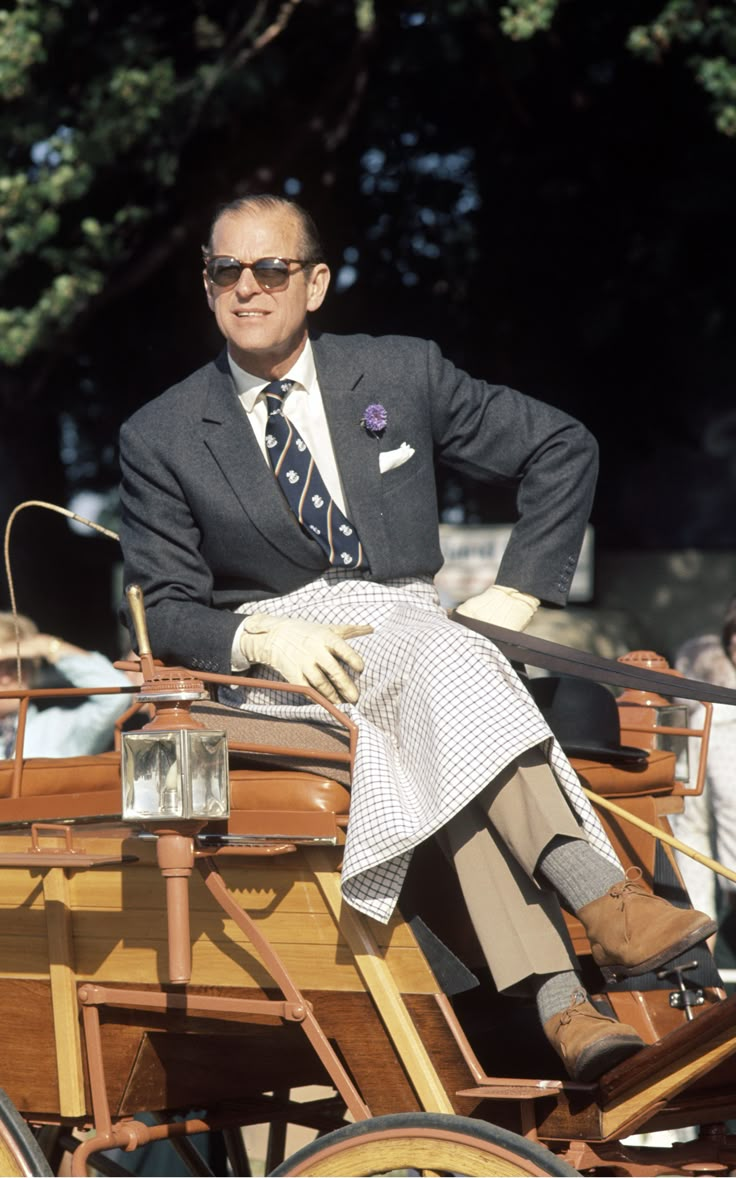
point(184, 978)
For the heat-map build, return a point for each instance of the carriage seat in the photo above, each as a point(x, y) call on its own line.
point(90, 786)
point(655, 775)
point(43, 776)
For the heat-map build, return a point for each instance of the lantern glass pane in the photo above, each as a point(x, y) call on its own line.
point(175, 774)
point(152, 780)
point(207, 774)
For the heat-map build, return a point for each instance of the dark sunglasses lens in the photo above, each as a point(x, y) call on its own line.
point(224, 271)
point(271, 273)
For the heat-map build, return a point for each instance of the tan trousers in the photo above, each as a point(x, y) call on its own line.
point(495, 844)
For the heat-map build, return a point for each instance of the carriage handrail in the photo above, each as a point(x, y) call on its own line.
point(235, 680)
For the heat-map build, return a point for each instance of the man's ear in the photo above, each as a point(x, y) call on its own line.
point(208, 291)
point(317, 284)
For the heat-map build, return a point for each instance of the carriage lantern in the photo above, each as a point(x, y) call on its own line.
point(650, 720)
point(174, 770)
point(175, 774)
point(175, 779)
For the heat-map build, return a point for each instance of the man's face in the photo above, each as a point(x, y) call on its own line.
point(265, 329)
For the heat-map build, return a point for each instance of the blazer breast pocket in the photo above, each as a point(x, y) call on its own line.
point(392, 459)
point(409, 477)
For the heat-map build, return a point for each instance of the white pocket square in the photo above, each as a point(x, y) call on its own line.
point(390, 459)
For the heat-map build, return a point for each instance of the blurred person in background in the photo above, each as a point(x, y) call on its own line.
point(59, 728)
point(708, 822)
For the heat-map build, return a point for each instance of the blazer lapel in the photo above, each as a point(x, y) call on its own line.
point(233, 444)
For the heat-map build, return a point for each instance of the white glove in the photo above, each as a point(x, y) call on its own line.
point(305, 652)
point(501, 607)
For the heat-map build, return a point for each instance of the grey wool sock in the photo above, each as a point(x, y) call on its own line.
point(555, 992)
point(577, 872)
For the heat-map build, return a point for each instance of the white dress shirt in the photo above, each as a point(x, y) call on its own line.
point(304, 408)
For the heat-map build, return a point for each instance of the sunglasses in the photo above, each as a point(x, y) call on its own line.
point(269, 273)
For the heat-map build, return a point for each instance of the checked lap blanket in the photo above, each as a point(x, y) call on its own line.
point(441, 712)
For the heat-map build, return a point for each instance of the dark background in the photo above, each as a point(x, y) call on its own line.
point(557, 213)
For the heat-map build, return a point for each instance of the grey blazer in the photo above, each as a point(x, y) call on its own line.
point(206, 527)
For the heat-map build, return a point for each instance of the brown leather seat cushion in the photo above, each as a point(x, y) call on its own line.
point(48, 776)
point(274, 789)
point(251, 788)
point(656, 775)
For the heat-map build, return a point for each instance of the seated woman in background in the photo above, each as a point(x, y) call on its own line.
point(57, 729)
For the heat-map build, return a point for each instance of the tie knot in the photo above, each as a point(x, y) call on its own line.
point(276, 393)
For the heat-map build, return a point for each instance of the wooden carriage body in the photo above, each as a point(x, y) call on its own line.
point(289, 987)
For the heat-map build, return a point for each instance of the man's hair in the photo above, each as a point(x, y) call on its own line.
point(26, 627)
point(310, 246)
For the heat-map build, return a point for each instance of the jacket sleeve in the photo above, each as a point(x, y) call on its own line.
point(161, 543)
point(498, 435)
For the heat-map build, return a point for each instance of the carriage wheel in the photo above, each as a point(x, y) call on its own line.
point(20, 1153)
point(433, 1143)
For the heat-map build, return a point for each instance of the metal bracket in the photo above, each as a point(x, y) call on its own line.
point(684, 997)
point(681, 999)
point(38, 856)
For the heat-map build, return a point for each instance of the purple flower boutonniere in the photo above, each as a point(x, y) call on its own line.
point(374, 420)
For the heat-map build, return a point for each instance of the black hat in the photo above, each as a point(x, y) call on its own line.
point(584, 717)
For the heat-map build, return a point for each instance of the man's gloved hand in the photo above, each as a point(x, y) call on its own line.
point(501, 606)
point(305, 652)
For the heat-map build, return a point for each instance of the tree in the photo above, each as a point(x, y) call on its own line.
point(105, 109)
point(498, 192)
point(108, 110)
point(123, 126)
point(705, 33)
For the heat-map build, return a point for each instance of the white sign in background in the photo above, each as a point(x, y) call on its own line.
point(473, 554)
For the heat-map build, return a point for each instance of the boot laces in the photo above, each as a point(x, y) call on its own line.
point(630, 885)
point(577, 999)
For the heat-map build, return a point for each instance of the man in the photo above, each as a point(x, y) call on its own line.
point(280, 511)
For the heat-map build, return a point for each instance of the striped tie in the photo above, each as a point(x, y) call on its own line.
point(303, 486)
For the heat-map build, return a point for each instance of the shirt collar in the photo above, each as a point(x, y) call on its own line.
point(249, 387)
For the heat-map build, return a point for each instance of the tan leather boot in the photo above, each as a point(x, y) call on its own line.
point(632, 932)
point(588, 1042)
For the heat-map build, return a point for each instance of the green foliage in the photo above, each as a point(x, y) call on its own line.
point(717, 75)
point(24, 35)
point(704, 31)
point(365, 15)
point(707, 33)
point(108, 112)
point(65, 134)
point(521, 19)
point(518, 198)
point(98, 107)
